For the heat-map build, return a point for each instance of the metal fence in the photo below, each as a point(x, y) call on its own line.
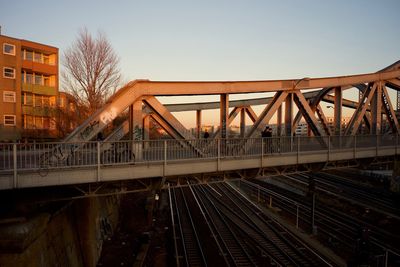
point(37, 156)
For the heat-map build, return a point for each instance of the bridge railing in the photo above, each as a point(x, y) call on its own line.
point(45, 156)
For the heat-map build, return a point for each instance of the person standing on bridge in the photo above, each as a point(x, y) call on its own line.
point(206, 134)
point(266, 134)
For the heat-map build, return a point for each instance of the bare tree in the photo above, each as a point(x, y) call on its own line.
point(91, 72)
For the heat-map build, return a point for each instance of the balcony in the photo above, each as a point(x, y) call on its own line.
point(38, 111)
point(39, 89)
point(40, 67)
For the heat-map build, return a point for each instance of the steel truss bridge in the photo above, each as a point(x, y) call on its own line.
point(78, 159)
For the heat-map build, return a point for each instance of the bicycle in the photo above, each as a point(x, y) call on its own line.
point(57, 157)
point(118, 153)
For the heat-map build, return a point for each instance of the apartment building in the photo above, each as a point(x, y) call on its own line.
point(28, 90)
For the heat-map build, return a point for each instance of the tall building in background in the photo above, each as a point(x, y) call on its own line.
point(29, 90)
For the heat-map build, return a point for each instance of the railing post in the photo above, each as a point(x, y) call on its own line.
point(262, 151)
point(15, 165)
point(98, 161)
point(291, 143)
point(297, 215)
point(377, 145)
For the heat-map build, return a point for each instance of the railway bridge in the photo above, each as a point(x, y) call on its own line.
point(128, 152)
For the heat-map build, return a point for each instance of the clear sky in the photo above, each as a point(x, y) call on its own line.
point(221, 39)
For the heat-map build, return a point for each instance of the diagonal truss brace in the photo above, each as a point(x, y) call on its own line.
point(388, 108)
point(267, 113)
point(358, 115)
point(307, 112)
point(324, 121)
point(179, 131)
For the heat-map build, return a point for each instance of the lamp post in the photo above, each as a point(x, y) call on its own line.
point(299, 81)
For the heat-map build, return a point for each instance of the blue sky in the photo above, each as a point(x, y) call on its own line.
point(221, 39)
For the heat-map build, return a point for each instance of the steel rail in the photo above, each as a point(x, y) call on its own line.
point(194, 255)
point(210, 224)
point(268, 229)
point(249, 214)
point(283, 227)
point(246, 226)
point(179, 221)
point(233, 245)
point(173, 226)
point(351, 225)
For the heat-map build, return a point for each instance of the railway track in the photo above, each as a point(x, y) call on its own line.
point(341, 229)
point(242, 235)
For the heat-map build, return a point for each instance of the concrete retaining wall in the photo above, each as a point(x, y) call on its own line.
point(73, 236)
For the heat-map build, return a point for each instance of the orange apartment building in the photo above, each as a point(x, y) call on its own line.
point(28, 90)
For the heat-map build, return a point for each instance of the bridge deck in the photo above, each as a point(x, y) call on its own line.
point(36, 165)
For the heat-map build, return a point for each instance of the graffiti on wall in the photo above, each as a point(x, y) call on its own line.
point(108, 116)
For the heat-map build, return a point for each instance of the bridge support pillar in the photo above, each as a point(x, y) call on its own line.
point(242, 122)
point(146, 129)
point(376, 108)
point(289, 114)
point(224, 115)
point(338, 111)
point(279, 121)
point(198, 124)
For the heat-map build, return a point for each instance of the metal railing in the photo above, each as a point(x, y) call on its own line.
point(44, 156)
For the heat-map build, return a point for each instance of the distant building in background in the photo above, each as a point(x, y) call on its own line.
point(331, 124)
point(234, 131)
point(301, 129)
point(29, 90)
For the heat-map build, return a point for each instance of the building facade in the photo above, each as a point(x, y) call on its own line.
point(29, 89)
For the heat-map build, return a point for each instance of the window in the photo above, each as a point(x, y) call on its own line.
point(46, 59)
point(28, 99)
point(38, 79)
point(37, 57)
point(28, 55)
point(9, 120)
point(9, 96)
point(46, 80)
point(9, 49)
point(39, 122)
point(28, 78)
point(9, 73)
point(28, 122)
point(46, 101)
point(37, 100)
